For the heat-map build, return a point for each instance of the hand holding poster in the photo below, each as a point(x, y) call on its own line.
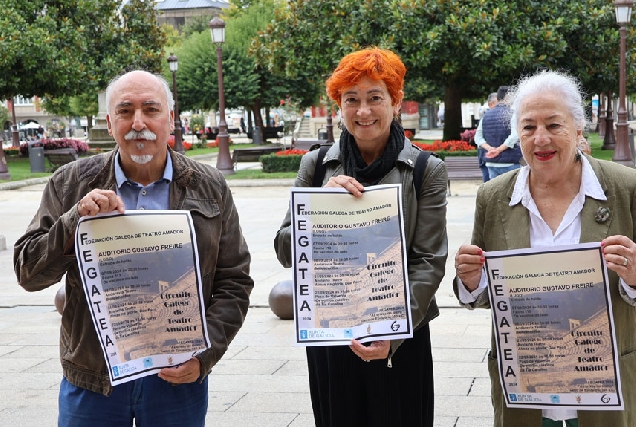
point(552, 315)
point(142, 282)
point(350, 275)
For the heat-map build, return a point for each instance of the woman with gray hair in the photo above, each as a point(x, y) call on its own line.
point(555, 200)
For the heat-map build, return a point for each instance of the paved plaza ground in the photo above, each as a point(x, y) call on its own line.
point(262, 379)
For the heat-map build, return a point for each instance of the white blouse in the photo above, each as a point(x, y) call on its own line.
point(568, 233)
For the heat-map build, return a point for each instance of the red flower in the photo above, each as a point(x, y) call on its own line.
point(282, 102)
point(185, 144)
point(291, 152)
point(446, 146)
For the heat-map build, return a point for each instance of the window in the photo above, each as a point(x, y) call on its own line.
point(19, 100)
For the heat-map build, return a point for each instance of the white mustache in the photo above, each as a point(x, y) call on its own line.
point(144, 134)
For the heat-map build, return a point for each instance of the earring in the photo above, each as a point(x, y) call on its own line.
point(341, 125)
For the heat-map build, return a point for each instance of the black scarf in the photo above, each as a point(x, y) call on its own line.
point(355, 166)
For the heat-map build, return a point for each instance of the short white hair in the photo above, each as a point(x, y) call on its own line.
point(164, 84)
point(547, 81)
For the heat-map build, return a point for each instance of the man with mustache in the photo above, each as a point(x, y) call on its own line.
point(141, 173)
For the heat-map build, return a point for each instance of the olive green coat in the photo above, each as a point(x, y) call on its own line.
point(499, 226)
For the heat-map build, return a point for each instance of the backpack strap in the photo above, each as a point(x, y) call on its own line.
point(321, 169)
point(418, 171)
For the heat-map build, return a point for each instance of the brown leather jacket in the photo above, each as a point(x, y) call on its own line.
point(46, 252)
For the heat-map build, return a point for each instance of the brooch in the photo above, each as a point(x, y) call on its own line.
point(602, 215)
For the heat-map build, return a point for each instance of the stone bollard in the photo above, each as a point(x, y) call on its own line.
point(281, 299)
point(60, 299)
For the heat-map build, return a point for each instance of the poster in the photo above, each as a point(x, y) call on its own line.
point(141, 278)
point(349, 265)
point(552, 315)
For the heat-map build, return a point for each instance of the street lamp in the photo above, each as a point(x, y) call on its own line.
point(223, 160)
point(330, 139)
point(173, 62)
point(293, 118)
point(622, 152)
point(15, 135)
point(609, 140)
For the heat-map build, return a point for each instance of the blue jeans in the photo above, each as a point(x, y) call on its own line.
point(494, 172)
point(485, 173)
point(150, 401)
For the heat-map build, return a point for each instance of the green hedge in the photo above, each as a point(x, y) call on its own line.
point(273, 163)
point(442, 154)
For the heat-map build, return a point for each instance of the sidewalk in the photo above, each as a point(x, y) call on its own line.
point(262, 379)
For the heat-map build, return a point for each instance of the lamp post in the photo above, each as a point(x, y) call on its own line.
point(223, 160)
point(293, 118)
point(330, 139)
point(173, 62)
point(609, 140)
point(602, 114)
point(622, 152)
point(15, 134)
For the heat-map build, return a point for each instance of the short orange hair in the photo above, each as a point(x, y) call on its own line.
point(373, 62)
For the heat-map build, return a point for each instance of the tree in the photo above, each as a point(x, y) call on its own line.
point(249, 17)
point(463, 49)
point(196, 24)
point(197, 78)
point(83, 105)
point(65, 48)
point(246, 84)
point(172, 35)
point(40, 42)
point(4, 118)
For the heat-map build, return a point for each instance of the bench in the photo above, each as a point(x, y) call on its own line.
point(462, 168)
point(253, 154)
point(307, 144)
point(60, 157)
point(268, 132)
point(210, 136)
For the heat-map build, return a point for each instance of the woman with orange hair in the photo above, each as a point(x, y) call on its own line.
point(382, 383)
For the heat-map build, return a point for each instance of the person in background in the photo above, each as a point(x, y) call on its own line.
point(141, 173)
point(386, 383)
point(481, 151)
point(495, 135)
point(561, 197)
point(440, 116)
